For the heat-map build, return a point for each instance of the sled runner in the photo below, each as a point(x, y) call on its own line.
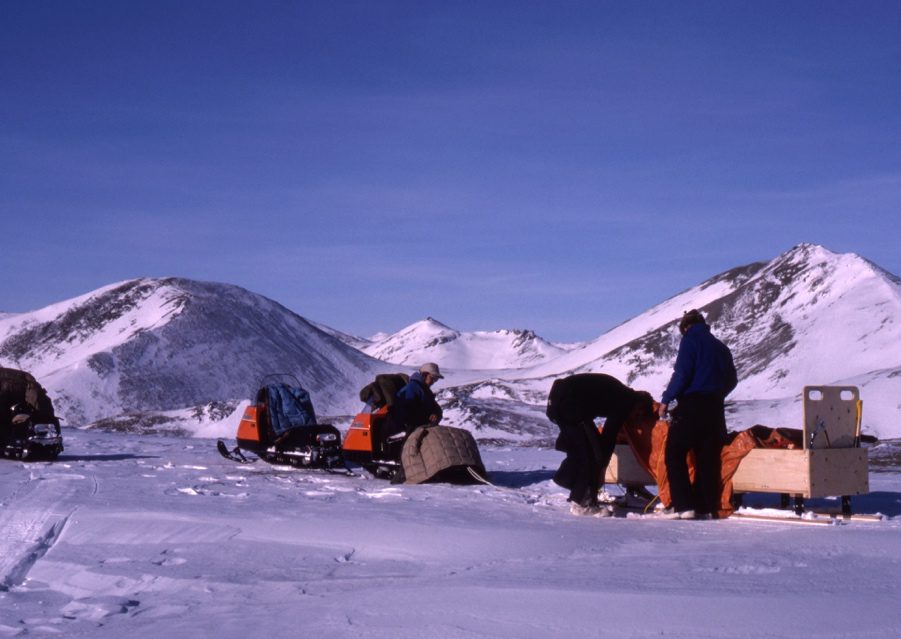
point(280, 427)
point(29, 428)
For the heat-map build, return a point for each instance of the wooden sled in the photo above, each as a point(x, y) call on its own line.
point(831, 462)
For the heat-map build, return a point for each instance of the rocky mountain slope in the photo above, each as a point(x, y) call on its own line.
point(808, 317)
point(134, 351)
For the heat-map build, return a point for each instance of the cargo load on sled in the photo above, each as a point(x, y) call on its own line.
point(29, 429)
point(280, 427)
point(429, 453)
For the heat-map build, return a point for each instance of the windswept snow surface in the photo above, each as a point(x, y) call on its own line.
point(150, 537)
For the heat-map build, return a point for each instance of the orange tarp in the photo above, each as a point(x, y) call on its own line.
point(648, 443)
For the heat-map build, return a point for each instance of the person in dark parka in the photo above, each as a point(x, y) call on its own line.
point(703, 375)
point(573, 404)
point(415, 404)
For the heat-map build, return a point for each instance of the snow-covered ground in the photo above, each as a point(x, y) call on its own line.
point(161, 537)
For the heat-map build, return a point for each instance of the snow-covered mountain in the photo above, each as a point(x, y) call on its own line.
point(135, 351)
point(164, 351)
point(430, 340)
point(808, 317)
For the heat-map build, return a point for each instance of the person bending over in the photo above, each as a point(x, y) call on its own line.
point(573, 404)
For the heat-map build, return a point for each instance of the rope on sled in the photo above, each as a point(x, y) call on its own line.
point(475, 475)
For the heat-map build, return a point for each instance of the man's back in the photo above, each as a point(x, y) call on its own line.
point(588, 395)
point(704, 365)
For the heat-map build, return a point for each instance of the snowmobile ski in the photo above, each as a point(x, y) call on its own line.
point(235, 454)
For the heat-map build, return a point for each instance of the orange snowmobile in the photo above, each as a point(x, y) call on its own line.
point(280, 427)
point(373, 440)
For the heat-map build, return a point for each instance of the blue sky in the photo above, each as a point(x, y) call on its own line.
point(559, 166)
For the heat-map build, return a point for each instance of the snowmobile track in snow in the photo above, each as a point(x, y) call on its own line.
point(34, 518)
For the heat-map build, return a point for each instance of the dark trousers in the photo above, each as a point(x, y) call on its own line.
point(587, 455)
point(698, 425)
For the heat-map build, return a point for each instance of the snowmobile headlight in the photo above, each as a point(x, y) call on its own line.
point(44, 431)
point(326, 438)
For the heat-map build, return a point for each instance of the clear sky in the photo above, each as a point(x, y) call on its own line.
point(560, 166)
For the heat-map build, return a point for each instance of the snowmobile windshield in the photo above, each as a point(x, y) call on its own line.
point(289, 408)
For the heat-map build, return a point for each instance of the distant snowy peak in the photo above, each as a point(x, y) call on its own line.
point(811, 316)
point(430, 340)
point(414, 344)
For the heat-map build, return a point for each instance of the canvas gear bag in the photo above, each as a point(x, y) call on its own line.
point(441, 453)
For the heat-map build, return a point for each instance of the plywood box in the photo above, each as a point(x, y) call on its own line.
point(809, 473)
point(624, 469)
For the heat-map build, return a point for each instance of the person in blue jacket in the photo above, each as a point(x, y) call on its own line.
point(704, 374)
point(415, 404)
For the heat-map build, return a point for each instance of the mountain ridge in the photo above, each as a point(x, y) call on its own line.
point(155, 349)
point(156, 344)
point(431, 340)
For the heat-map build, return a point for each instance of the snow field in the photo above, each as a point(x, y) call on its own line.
point(150, 536)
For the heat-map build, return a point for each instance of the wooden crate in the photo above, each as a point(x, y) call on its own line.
point(830, 464)
point(624, 469)
point(808, 473)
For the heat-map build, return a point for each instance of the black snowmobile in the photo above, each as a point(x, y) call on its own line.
point(29, 429)
point(280, 427)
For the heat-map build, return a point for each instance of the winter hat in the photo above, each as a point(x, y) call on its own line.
point(432, 369)
point(689, 319)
